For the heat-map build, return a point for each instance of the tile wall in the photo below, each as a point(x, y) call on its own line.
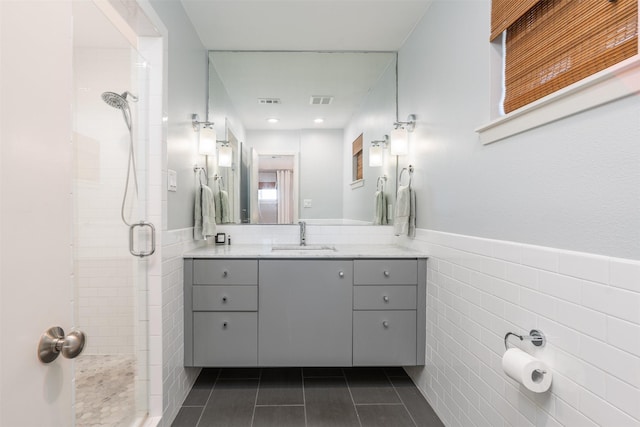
point(177, 380)
point(588, 306)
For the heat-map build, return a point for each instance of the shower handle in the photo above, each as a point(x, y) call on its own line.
point(153, 239)
point(54, 342)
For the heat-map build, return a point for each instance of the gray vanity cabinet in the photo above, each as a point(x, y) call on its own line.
point(221, 319)
point(388, 312)
point(305, 312)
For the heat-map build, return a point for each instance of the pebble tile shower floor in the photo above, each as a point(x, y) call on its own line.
point(305, 397)
point(105, 387)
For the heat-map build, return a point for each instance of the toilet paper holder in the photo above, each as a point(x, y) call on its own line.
point(536, 337)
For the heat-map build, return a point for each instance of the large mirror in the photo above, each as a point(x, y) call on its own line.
point(299, 126)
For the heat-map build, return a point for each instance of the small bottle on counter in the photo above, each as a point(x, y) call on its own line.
point(229, 240)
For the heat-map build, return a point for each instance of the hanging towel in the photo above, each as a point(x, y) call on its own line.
point(217, 207)
point(221, 206)
point(405, 218)
point(380, 208)
point(224, 207)
point(204, 219)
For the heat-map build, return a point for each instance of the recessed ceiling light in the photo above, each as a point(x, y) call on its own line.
point(273, 120)
point(319, 120)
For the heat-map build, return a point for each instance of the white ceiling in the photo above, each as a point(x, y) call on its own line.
point(381, 25)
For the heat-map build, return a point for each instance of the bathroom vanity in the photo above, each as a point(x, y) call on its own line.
point(269, 306)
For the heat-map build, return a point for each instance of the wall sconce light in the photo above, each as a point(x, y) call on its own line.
point(225, 155)
point(207, 142)
point(400, 136)
point(376, 151)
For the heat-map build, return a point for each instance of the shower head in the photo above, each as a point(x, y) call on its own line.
point(118, 101)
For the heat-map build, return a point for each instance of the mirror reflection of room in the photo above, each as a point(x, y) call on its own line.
point(295, 116)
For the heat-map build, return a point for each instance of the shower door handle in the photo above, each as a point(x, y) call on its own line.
point(141, 254)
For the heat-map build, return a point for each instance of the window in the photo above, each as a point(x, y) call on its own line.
point(551, 44)
point(357, 158)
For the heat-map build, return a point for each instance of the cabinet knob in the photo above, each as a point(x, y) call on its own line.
point(385, 324)
point(225, 324)
point(341, 274)
point(225, 273)
point(224, 299)
point(385, 298)
point(386, 273)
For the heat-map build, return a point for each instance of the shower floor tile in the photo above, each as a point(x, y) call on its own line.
point(305, 397)
point(105, 387)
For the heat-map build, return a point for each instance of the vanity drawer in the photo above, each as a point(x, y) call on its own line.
point(384, 297)
point(225, 339)
point(384, 338)
point(225, 272)
point(225, 298)
point(385, 272)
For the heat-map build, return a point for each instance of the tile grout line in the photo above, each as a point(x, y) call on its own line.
point(210, 393)
point(255, 402)
point(355, 408)
point(400, 397)
point(304, 398)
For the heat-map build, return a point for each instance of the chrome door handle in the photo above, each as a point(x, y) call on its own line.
point(53, 342)
point(153, 239)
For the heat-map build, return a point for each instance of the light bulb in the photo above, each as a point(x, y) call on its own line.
point(225, 156)
point(399, 142)
point(375, 156)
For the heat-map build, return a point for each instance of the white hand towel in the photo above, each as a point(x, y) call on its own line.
point(208, 213)
point(224, 207)
point(204, 214)
point(405, 218)
point(380, 208)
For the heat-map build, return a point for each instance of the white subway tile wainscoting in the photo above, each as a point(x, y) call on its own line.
point(588, 306)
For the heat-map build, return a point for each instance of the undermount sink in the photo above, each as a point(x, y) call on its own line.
point(295, 247)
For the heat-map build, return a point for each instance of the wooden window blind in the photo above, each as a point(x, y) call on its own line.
point(506, 12)
point(357, 158)
point(559, 42)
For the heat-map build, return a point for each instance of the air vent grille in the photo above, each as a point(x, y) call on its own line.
point(321, 100)
point(268, 101)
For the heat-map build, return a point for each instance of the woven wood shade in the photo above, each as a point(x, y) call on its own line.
point(506, 12)
point(558, 42)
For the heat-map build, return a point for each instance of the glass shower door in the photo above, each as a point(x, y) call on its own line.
point(110, 156)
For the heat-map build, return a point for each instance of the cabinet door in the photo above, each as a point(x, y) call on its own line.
point(305, 313)
point(384, 338)
point(225, 339)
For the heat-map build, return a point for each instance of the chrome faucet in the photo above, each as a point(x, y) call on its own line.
point(303, 233)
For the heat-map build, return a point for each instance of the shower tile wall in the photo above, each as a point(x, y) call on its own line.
point(104, 269)
point(588, 307)
point(106, 304)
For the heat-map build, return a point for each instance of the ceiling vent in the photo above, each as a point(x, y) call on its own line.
point(268, 101)
point(321, 100)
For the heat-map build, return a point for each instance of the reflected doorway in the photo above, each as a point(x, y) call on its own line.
point(277, 189)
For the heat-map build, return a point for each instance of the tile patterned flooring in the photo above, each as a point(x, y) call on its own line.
point(305, 397)
point(105, 387)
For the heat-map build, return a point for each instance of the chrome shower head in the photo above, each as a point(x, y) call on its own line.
point(118, 101)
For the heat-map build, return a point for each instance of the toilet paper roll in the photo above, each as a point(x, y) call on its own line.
point(527, 370)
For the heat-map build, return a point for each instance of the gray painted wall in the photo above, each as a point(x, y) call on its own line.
point(187, 94)
point(320, 154)
point(374, 120)
point(572, 184)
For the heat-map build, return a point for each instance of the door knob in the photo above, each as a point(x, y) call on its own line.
point(53, 342)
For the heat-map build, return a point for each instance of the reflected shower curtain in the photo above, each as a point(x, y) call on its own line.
point(284, 184)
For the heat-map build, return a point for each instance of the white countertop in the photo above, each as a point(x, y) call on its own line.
point(342, 251)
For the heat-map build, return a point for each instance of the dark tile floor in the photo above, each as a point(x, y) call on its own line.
point(305, 397)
